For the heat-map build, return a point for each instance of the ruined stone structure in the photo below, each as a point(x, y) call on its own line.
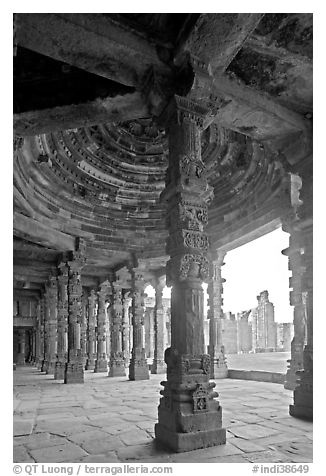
point(146, 146)
point(263, 324)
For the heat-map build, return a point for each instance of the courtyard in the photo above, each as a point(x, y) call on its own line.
point(107, 420)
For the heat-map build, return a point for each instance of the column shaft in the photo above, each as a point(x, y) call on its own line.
point(215, 314)
point(116, 364)
point(21, 346)
point(74, 371)
point(91, 330)
point(102, 328)
point(138, 367)
point(61, 362)
point(51, 325)
point(158, 366)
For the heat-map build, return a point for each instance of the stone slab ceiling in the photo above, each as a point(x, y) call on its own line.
point(90, 155)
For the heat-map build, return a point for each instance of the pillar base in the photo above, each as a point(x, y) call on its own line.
point(181, 442)
point(101, 366)
point(59, 371)
point(218, 371)
point(20, 359)
point(117, 369)
point(50, 368)
point(138, 370)
point(158, 367)
point(90, 364)
point(303, 398)
point(74, 373)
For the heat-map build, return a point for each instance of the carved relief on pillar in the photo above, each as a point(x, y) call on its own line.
point(51, 324)
point(62, 350)
point(74, 372)
point(102, 327)
point(189, 416)
point(116, 364)
point(138, 367)
point(215, 315)
point(91, 330)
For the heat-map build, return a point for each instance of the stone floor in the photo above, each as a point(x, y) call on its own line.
point(110, 420)
point(268, 361)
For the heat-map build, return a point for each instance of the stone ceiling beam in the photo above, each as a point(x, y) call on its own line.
point(217, 38)
point(32, 230)
point(111, 109)
point(242, 109)
point(92, 42)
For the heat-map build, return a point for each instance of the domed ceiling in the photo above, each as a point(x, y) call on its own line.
point(101, 180)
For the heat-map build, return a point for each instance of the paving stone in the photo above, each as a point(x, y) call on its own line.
point(20, 455)
point(206, 454)
point(109, 457)
point(252, 431)
point(87, 436)
point(58, 454)
point(140, 452)
point(102, 445)
point(22, 427)
point(134, 437)
point(267, 457)
point(245, 445)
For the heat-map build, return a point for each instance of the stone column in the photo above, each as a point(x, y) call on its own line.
point(51, 324)
point(189, 417)
point(91, 331)
point(21, 346)
point(303, 393)
point(59, 373)
point(102, 328)
point(74, 371)
point(83, 328)
point(126, 328)
point(138, 367)
point(117, 364)
point(37, 335)
point(158, 366)
point(294, 253)
point(41, 363)
point(219, 367)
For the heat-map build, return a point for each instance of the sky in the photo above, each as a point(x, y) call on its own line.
point(250, 269)
point(255, 267)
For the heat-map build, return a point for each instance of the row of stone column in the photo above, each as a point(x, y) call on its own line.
point(77, 331)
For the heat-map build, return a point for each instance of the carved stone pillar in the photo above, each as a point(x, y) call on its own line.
point(189, 417)
point(37, 335)
point(158, 365)
point(138, 367)
point(83, 328)
point(303, 393)
point(91, 331)
point(74, 372)
point(21, 346)
point(41, 362)
point(51, 325)
point(59, 373)
point(295, 256)
point(116, 364)
point(219, 367)
point(102, 329)
point(126, 328)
